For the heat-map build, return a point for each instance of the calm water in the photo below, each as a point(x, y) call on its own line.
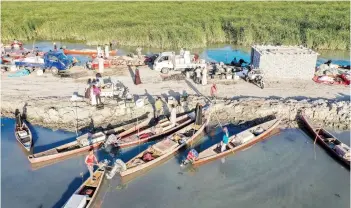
point(282, 171)
point(219, 53)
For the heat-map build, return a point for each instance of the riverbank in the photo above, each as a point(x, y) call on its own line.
point(47, 99)
point(318, 25)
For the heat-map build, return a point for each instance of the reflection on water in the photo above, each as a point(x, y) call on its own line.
point(279, 172)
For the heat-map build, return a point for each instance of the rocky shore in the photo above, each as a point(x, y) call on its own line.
point(74, 116)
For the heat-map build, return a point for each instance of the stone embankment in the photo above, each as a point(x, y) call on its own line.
point(59, 113)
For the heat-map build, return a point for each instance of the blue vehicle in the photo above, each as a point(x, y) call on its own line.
point(56, 61)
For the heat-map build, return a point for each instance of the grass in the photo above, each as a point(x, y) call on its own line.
point(318, 25)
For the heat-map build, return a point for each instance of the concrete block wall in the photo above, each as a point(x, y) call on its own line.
point(291, 66)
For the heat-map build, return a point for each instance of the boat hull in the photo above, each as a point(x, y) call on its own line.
point(247, 145)
point(100, 175)
point(63, 154)
point(29, 147)
point(132, 173)
point(155, 137)
point(313, 131)
point(86, 52)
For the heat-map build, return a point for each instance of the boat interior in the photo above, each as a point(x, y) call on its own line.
point(151, 131)
point(337, 146)
point(162, 147)
point(238, 139)
point(24, 136)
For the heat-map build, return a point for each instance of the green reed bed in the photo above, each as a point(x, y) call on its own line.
point(320, 25)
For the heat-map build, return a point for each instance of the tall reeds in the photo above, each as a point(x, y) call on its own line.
point(321, 25)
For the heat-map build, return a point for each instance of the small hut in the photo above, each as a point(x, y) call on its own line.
point(279, 62)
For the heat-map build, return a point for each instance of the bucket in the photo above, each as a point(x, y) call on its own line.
point(139, 103)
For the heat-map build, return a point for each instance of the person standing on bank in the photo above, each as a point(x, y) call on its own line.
point(138, 50)
point(198, 76)
point(89, 161)
point(97, 93)
point(204, 76)
point(173, 117)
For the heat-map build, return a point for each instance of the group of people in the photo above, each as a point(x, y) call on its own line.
point(93, 89)
point(201, 76)
point(103, 52)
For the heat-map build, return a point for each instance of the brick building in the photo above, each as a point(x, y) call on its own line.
point(277, 62)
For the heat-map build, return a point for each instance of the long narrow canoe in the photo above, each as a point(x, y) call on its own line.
point(237, 142)
point(84, 196)
point(165, 149)
point(76, 147)
point(329, 142)
point(24, 135)
point(164, 127)
point(86, 52)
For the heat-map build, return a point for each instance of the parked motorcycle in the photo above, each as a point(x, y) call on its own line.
point(255, 76)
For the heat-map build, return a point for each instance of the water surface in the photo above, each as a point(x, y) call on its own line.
point(283, 171)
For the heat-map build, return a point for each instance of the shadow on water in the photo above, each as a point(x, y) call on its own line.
point(72, 187)
point(34, 133)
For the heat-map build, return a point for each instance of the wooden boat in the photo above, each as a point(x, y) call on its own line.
point(126, 133)
point(164, 149)
point(86, 52)
point(84, 196)
point(330, 143)
point(164, 127)
point(24, 135)
point(82, 144)
point(237, 142)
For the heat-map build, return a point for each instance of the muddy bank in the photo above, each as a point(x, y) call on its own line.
point(79, 115)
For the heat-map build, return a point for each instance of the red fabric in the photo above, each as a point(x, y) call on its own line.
point(346, 78)
point(316, 79)
point(148, 157)
point(89, 160)
point(96, 91)
point(145, 135)
point(213, 89)
point(137, 77)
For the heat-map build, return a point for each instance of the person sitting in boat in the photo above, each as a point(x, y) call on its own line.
point(225, 139)
point(89, 161)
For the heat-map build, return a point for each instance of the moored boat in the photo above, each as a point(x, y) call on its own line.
point(165, 148)
point(23, 133)
point(84, 196)
point(237, 142)
point(164, 127)
point(82, 144)
point(329, 142)
point(86, 52)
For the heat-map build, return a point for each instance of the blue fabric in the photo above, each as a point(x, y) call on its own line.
point(225, 139)
point(20, 73)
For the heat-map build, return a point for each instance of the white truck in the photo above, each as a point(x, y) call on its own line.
point(169, 60)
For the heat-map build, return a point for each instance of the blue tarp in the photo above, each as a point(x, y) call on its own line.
point(21, 73)
point(227, 54)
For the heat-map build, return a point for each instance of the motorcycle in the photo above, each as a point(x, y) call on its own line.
point(255, 76)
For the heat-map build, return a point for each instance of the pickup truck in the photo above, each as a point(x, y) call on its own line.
point(167, 61)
